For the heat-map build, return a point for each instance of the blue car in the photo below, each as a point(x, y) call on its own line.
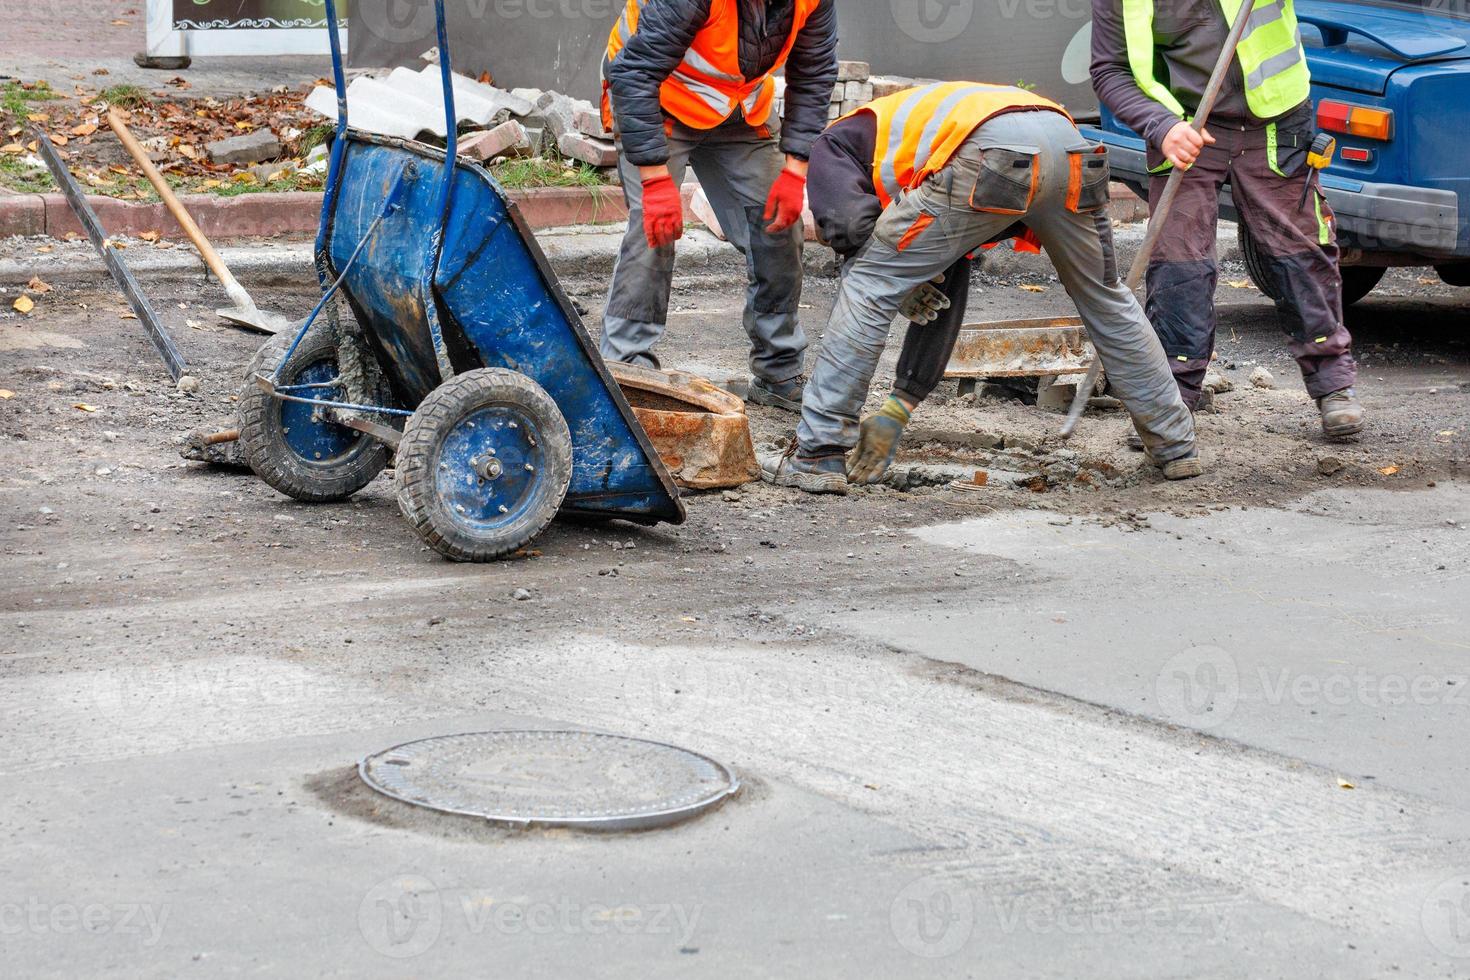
point(1391, 81)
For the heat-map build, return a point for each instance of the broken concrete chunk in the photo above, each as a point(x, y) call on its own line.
point(588, 120)
point(1262, 378)
point(1217, 382)
point(598, 153)
point(507, 139)
point(249, 148)
point(848, 71)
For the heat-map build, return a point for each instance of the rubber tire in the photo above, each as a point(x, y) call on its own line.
point(1357, 280)
point(263, 443)
point(418, 459)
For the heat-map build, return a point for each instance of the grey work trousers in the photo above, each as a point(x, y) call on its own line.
point(736, 164)
point(927, 229)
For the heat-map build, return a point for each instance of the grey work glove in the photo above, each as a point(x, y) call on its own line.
point(925, 303)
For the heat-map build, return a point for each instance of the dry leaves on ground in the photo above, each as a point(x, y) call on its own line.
point(23, 304)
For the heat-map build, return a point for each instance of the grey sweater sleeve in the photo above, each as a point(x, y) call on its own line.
point(1112, 77)
point(666, 28)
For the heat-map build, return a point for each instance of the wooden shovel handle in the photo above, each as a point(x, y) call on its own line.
point(170, 201)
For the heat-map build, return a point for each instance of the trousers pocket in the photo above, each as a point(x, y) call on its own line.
point(1088, 178)
point(1006, 183)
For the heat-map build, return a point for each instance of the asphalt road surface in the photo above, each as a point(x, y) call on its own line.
point(1099, 727)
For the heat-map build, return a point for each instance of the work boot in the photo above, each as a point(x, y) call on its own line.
point(1181, 467)
point(1342, 414)
point(878, 440)
point(785, 395)
point(814, 474)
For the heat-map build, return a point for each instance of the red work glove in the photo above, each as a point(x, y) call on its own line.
point(783, 207)
point(663, 213)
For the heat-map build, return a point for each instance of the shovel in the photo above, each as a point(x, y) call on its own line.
point(244, 313)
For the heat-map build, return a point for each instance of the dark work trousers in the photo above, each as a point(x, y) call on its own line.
point(736, 164)
point(927, 346)
point(1298, 244)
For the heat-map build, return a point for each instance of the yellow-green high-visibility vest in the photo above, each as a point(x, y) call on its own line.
point(1271, 56)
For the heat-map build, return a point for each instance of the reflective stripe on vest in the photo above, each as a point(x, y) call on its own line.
point(919, 129)
point(1272, 60)
point(707, 87)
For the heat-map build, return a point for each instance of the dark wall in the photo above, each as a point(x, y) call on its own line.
point(559, 43)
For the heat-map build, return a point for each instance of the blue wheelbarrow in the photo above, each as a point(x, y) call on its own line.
point(443, 337)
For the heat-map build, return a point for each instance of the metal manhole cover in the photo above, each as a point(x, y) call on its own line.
point(552, 779)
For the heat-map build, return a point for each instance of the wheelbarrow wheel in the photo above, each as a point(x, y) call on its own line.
point(287, 446)
point(484, 464)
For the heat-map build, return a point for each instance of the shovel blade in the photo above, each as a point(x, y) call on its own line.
point(253, 319)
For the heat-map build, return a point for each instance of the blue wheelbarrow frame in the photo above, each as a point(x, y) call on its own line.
point(444, 277)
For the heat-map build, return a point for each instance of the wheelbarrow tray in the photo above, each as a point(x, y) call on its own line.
point(499, 305)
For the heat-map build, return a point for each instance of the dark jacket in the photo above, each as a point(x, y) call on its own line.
point(666, 28)
point(1188, 38)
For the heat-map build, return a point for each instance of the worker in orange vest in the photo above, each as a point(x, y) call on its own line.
point(689, 83)
point(952, 166)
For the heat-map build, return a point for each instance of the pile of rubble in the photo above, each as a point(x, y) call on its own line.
point(491, 122)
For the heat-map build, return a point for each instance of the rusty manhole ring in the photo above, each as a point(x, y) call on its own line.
point(586, 780)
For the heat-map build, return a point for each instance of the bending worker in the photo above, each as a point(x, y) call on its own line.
point(688, 83)
point(1150, 66)
point(961, 163)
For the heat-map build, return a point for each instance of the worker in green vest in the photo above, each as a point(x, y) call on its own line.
point(1151, 62)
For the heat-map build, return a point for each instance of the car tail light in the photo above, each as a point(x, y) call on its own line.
point(1355, 120)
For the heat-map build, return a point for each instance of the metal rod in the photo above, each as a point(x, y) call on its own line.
point(1166, 201)
point(339, 145)
point(446, 196)
point(115, 265)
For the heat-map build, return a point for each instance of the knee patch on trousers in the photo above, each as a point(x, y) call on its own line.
point(776, 259)
point(1181, 306)
point(1311, 294)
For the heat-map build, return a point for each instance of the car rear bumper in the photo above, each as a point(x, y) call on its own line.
point(1372, 217)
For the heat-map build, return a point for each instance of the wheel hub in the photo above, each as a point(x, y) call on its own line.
point(489, 466)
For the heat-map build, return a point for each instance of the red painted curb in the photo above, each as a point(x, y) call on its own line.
point(292, 214)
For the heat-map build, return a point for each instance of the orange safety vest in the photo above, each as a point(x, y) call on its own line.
point(919, 129)
point(707, 87)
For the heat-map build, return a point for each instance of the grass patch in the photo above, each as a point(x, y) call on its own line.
point(517, 174)
point(16, 99)
point(124, 96)
point(24, 178)
point(318, 135)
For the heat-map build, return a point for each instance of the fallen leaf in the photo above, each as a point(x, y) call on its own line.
point(122, 23)
point(130, 315)
point(85, 129)
point(1240, 284)
point(189, 152)
point(1389, 470)
point(58, 139)
point(15, 148)
point(243, 178)
point(23, 304)
point(45, 248)
point(244, 126)
point(150, 236)
point(1344, 784)
point(37, 116)
point(84, 407)
point(1033, 289)
point(37, 286)
point(6, 394)
point(13, 132)
point(214, 183)
point(1428, 281)
point(118, 170)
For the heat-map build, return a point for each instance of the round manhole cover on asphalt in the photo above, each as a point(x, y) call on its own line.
point(552, 779)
